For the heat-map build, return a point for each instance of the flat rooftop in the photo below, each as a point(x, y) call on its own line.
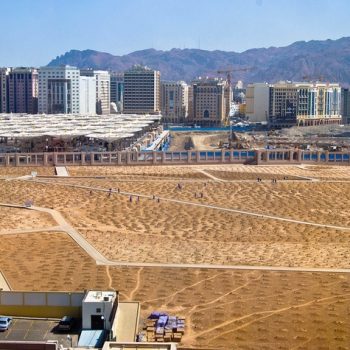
point(127, 320)
point(138, 346)
point(94, 296)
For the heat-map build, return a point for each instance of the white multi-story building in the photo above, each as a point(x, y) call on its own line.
point(103, 99)
point(174, 97)
point(292, 103)
point(257, 102)
point(87, 95)
point(58, 90)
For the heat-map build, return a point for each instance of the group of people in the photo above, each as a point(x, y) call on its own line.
point(131, 199)
point(274, 181)
point(179, 186)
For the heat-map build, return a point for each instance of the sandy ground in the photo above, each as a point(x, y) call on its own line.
point(201, 141)
point(226, 308)
point(244, 309)
point(11, 218)
point(26, 170)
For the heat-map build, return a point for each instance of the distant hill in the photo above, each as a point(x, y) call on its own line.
point(329, 59)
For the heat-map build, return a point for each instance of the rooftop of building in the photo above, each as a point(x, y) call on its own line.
point(138, 68)
point(138, 346)
point(93, 296)
point(209, 81)
point(296, 84)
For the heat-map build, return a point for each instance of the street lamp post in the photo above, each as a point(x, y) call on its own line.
point(69, 338)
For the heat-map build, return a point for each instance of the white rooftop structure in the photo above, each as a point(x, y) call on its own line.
point(105, 127)
point(95, 296)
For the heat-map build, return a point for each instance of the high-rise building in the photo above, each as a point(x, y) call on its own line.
point(87, 95)
point(345, 105)
point(304, 104)
point(209, 102)
point(23, 90)
point(174, 97)
point(58, 90)
point(103, 100)
point(141, 90)
point(117, 90)
point(257, 102)
point(4, 101)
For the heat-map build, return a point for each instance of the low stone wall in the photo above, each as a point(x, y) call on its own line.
point(262, 156)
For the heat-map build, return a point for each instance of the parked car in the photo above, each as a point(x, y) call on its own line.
point(66, 323)
point(5, 323)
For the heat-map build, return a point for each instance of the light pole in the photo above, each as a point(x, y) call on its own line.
point(69, 338)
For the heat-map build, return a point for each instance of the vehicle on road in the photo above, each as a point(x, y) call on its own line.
point(66, 324)
point(5, 323)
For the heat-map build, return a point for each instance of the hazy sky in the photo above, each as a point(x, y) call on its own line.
point(35, 31)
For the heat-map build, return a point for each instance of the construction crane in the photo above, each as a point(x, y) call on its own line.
point(230, 70)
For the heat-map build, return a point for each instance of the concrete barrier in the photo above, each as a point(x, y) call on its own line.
point(41, 304)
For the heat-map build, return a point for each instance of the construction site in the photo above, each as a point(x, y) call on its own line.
point(323, 138)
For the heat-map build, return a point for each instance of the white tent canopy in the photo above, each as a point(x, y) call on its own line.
point(105, 127)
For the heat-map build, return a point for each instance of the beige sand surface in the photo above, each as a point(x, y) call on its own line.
point(226, 308)
point(320, 202)
point(48, 261)
point(247, 309)
point(12, 218)
point(153, 171)
point(323, 172)
point(26, 170)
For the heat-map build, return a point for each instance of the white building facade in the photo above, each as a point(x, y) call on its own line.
point(87, 95)
point(257, 102)
point(98, 309)
point(59, 90)
point(103, 99)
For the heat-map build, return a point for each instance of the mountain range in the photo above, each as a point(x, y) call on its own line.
point(327, 60)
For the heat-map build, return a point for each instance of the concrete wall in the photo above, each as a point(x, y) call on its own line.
point(41, 304)
point(169, 158)
point(28, 345)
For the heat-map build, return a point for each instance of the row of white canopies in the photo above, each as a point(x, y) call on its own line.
point(106, 127)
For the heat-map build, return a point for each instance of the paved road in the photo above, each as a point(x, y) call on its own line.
point(64, 226)
point(4, 285)
point(211, 176)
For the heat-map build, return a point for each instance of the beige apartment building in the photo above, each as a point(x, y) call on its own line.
point(174, 97)
point(141, 90)
point(211, 102)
